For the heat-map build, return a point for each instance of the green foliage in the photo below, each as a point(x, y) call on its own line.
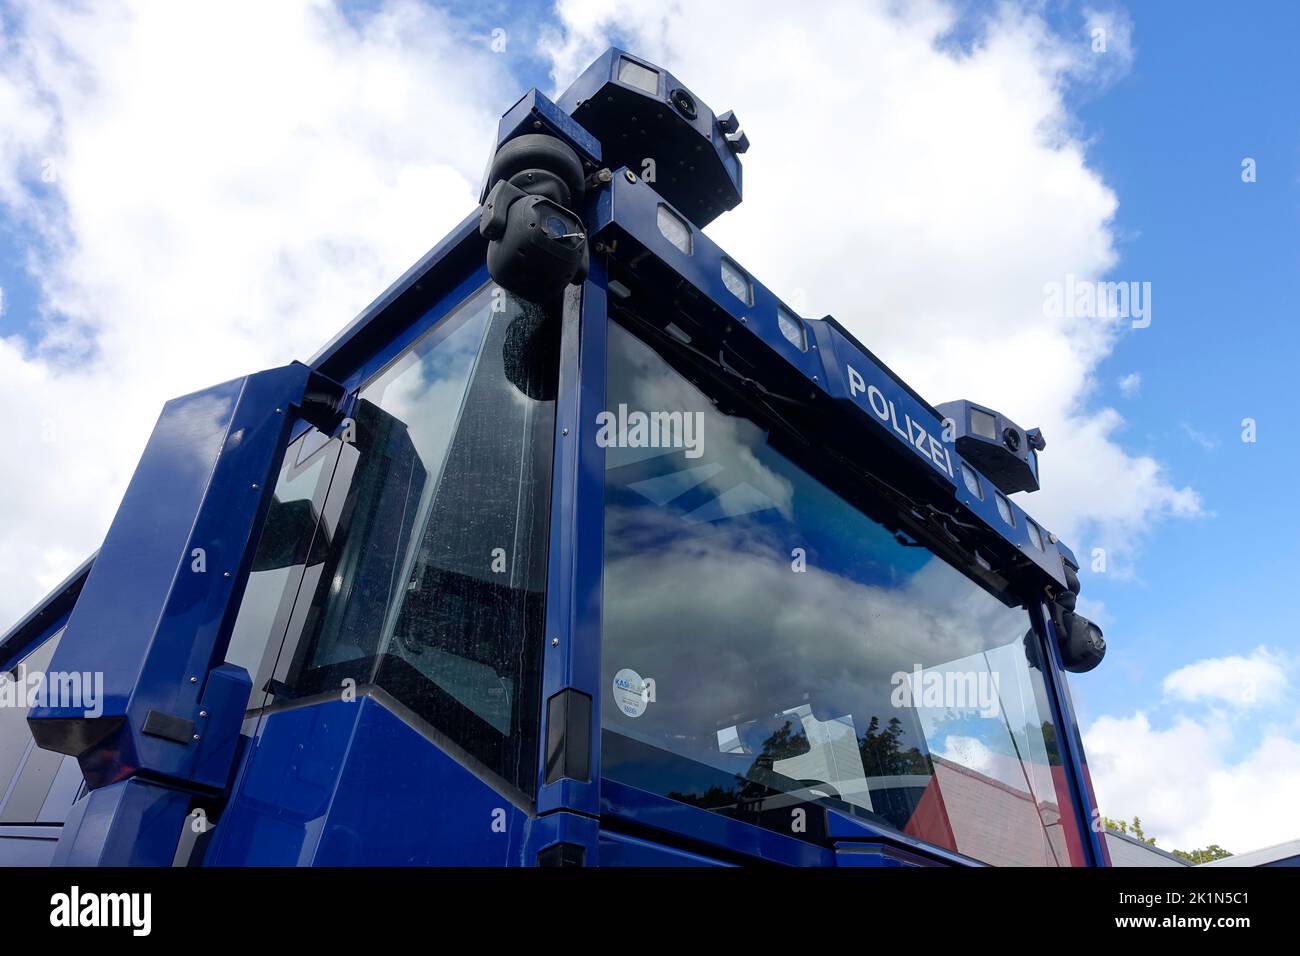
point(1134, 829)
point(883, 754)
point(1203, 855)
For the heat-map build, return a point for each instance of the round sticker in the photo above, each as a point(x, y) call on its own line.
point(631, 693)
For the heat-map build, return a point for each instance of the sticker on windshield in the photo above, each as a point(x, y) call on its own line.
point(632, 692)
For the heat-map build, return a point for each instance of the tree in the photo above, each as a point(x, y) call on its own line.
point(882, 751)
point(1203, 855)
point(1135, 827)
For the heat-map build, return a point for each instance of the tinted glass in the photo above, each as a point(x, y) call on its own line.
point(290, 557)
point(409, 551)
point(771, 645)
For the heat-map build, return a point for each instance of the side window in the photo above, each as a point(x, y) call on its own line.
point(412, 556)
point(36, 786)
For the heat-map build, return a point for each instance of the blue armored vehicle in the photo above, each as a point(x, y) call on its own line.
point(578, 547)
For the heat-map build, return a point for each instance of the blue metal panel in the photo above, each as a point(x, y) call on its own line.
point(129, 823)
point(876, 855)
point(845, 831)
point(349, 783)
point(704, 827)
point(629, 209)
point(576, 552)
point(156, 607)
point(563, 828)
point(1071, 741)
point(854, 377)
point(534, 113)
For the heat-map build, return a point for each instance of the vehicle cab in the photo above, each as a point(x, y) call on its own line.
point(579, 546)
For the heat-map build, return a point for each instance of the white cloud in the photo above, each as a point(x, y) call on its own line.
point(1130, 385)
point(970, 752)
point(231, 184)
point(224, 198)
point(1251, 681)
point(960, 189)
point(1206, 442)
point(1110, 39)
point(1190, 775)
point(1184, 784)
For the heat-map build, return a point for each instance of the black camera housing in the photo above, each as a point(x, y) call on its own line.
point(995, 445)
point(537, 246)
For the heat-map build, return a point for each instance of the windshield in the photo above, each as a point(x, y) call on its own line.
point(769, 644)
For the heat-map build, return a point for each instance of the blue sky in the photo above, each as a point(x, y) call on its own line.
point(1209, 86)
point(343, 146)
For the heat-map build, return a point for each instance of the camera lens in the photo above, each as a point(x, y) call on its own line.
point(684, 102)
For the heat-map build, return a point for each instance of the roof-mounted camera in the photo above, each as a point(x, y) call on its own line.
point(537, 246)
point(997, 446)
point(648, 121)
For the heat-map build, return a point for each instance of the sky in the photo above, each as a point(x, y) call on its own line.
point(184, 199)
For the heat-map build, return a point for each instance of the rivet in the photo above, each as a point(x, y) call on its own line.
point(194, 680)
point(196, 736)
point(555, 642)
point(629, 175)
point(254, 486)
point(203, 713)
point(564, 431)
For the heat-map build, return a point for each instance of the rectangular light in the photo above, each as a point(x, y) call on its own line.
point(792, 328)
point(641, 77)
point(737, 282)
point(674, 229)
point(1004, 509)
point(983, 424)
